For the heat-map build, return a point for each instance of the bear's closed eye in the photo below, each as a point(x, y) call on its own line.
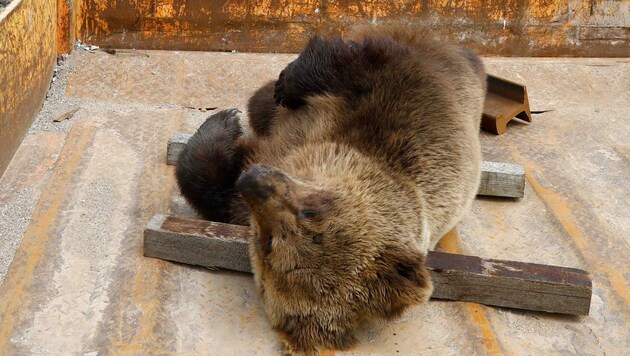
point(404, 270)
point(268, 242)
point(308, 213)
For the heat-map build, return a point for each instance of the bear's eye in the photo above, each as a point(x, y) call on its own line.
point(308, 213)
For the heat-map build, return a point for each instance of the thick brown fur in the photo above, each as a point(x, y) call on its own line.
point(365, 154)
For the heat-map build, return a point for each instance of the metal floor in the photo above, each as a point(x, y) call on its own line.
point(78, 195)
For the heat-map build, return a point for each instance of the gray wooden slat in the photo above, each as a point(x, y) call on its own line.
point(497, 179)
point(176, 144)
point(502, 180)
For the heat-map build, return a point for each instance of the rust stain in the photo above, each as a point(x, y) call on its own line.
point(620, 285)
point(129, 347)
point(13, 295)
point(562, 211)
point(47, 145)
point(146, 285)
point(547, 10)
point(63, 27)
point(480, 318)
point(450, 243)
point(145, 291)
point(77, 11)
point(165, 10)
point(68, 26)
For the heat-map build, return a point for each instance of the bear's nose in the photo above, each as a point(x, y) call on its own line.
point(255, 184)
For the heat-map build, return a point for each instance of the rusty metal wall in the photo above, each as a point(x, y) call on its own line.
point(510, 28)
point(27, 57)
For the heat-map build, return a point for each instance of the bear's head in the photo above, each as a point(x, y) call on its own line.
point(333, 249)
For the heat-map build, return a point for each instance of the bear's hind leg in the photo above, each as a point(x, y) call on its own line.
point(210, 164)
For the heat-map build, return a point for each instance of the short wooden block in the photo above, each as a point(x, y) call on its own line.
point(502, 180)
point(455, 277)
point(197, 242)
point(176, 144)
point(497, 179)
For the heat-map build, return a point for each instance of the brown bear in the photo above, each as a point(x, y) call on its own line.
point(364, 154)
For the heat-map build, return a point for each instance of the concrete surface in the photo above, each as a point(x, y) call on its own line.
point(79, 284)
point(3, 4)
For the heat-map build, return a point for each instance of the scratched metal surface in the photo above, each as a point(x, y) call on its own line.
point(80, 284)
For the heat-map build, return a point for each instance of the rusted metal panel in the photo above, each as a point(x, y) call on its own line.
point(505, 100)
point(65, 32)
point(68, 24)
point(509, 28)
point(27, 56)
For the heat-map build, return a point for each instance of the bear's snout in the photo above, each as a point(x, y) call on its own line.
point(254, 184)
point(258, 183)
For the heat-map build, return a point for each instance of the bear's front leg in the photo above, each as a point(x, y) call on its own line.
point(209, 165)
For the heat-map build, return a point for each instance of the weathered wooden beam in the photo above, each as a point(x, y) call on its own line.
point(455, 277)
point(497, 179)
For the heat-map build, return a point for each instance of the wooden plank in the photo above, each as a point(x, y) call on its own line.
point(502, 180)
point(497, 179)
point(510, 284)
point(455, 277)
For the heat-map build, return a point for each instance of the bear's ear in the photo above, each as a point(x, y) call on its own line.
point(403, 280)
point(333, 52)
point(378, 51)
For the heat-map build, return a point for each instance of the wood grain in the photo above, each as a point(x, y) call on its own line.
point(497, 179)
point(197, 242)
point(455, 277)
point(502, 180)
point(176, 144)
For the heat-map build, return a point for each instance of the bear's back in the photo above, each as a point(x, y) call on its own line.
point(419, 122)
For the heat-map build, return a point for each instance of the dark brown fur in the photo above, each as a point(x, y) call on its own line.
point(365, 153)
